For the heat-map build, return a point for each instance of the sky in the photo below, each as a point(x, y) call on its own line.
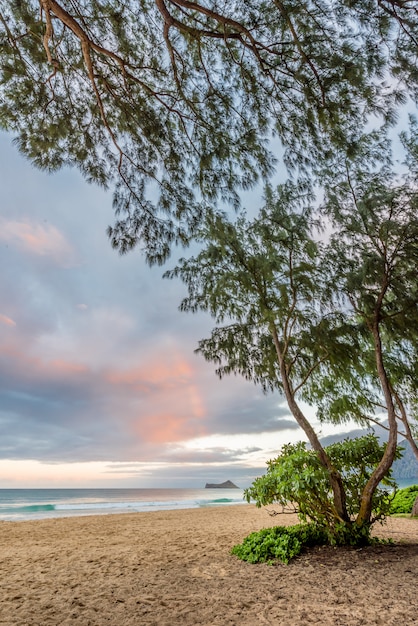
point(99, 383)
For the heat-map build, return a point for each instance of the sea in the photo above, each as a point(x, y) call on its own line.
point(34, 504)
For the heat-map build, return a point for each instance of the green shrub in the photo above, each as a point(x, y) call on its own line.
point(297, 476)
point(404, 500)
point(279, 543)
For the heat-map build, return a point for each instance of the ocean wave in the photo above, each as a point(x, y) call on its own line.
point(29, 508)
point(220, 501)
point(96, 502)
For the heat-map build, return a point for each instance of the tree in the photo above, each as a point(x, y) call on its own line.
point(374, 259)
point(374, 256)
point(334, 324)
point(263, 279)
point(173, 102)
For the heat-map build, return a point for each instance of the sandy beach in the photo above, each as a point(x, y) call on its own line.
point(174, 567)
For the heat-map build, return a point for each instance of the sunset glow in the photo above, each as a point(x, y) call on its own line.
point(99, 383)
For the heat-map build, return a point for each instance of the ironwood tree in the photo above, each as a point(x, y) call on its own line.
point(333, 324)
point(173, 103)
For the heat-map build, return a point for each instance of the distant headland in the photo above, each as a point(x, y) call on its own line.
point(226, 485)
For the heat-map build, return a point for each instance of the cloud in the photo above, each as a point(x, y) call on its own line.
point(43, 240)
point(7, 320)
point(66, 410)
point(216, 455)
point(186, 474)
point(100, 364)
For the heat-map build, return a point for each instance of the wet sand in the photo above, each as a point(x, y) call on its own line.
point(169, 568)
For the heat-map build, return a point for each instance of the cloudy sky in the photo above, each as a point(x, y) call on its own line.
point(99, 384)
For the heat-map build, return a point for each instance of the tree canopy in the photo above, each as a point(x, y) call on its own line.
point(373, 259)
point(332, 321)
point(173, 102)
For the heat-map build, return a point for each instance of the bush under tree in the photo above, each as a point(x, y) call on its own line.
point(298, 482)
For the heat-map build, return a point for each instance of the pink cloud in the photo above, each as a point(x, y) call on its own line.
point(164, 372)
point(163, 428)
point(168, 405)
point(196, 401)
point(7, 320)
point(39, 239)
point(33, 366)
point(158, 405)
point(65, 368)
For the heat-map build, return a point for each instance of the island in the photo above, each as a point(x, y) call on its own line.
point(226, 485)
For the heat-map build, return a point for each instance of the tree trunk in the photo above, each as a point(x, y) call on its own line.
point(415, 508)
point(365, 511)
point(404, 419)
point(335, 479)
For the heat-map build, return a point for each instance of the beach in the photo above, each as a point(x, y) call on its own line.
point(165, 568)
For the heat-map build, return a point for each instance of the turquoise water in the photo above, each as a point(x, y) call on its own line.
point(31, 504)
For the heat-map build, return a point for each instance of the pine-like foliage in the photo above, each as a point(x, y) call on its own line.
point(171, 102)
point(334, 324)
point(253, 276)
point(372, 262)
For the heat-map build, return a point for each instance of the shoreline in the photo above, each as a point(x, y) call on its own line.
point(36, 504)
point(173, 567)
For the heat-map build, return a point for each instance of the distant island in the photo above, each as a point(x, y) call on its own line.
point(226, 485)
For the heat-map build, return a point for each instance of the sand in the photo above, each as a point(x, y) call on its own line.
point(175, 567)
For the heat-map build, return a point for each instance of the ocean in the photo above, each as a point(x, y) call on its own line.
point(32, 504)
